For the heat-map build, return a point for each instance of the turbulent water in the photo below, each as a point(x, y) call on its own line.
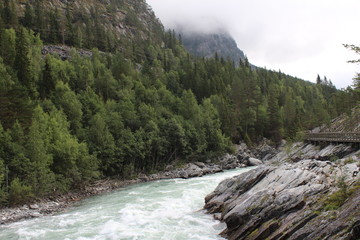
point(166, 209)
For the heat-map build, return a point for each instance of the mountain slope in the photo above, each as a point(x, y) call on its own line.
point(89, 23)
point(208, 45)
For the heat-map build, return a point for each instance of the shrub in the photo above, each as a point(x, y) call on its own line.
point(19, 193)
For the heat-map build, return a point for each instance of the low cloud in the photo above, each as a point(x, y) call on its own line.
point(305, 35)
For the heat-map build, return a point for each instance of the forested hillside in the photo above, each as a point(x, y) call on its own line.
point(138, 103)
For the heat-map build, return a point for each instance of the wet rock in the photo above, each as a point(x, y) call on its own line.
point(184, 174)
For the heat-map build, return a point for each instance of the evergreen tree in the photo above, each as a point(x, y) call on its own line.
point(274, 127)
point(55, 32)
point(70, 31)
point(28, 20)
point(318, 80)
point(22, 61)
point(42, 179)
point(9, 13)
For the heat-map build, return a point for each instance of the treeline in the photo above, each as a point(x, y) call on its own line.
point(65, 123)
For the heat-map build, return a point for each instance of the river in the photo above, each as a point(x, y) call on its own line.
point(165, 209)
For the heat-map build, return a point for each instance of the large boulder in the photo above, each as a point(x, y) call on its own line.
point(193, 170)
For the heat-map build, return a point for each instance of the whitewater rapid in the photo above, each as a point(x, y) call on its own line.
point(165, 209)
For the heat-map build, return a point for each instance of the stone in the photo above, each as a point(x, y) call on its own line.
point(183, 174)
point(143, 177)
point(254, 162)
point(200, 164)
point(283, 202)
point(34, 206)
point(35, 214)
point(169, 168)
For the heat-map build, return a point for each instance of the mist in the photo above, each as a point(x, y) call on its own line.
point(300, 37)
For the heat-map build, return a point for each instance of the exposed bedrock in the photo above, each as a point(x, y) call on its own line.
point(290, 202)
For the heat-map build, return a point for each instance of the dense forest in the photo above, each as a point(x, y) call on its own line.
point(132, 106)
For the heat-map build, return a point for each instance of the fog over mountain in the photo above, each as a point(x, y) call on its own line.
point(209, 45)
point(302, 37)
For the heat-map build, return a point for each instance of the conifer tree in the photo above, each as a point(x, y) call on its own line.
point(28, 19)
point(9, 13)
point(274, 127)
point(22, 61)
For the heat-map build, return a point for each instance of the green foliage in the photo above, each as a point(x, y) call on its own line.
point(338, 198)
point(135, 105)
point(19, 193)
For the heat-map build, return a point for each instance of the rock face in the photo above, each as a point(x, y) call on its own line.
point(287, 202)
point(209, 44)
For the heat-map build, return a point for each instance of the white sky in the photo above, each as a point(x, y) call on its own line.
point(302, 38)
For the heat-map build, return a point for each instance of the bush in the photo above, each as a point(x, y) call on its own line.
point(19, 193)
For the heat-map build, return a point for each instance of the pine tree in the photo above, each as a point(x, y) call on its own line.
point(318, 80)
point(274, 127)
point(9, 13)
point(70, 32)
point(28, 19)
point(39, 21)
point(55, 33)
point(22, 61)
point(47, 84)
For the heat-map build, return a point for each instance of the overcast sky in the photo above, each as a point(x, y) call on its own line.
point(302, 38)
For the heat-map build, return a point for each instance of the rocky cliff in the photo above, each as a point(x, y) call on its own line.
point(315, 197)
point(209, 44)
point(104, 24)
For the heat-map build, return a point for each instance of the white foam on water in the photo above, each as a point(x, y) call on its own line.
point(160, 210)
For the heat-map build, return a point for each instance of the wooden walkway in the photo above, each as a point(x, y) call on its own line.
point(350, 137)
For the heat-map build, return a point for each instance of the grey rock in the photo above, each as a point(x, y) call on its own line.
point(281, 202)
point(35, 214)
point(143, 177)
point(25, 207)
point(193, 170)
point(183, 174)
point(200, 164)
point(34, 206)
point(254, 162)
point(169, 168)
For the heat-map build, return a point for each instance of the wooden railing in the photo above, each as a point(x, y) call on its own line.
point(351, 137)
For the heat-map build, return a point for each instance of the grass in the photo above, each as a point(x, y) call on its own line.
point(335, 200)
point(349, 161)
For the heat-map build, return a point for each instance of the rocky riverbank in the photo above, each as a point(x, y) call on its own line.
point(302, 192)
point(61, 203)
